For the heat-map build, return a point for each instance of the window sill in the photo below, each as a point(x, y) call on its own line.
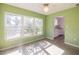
point(31, 36)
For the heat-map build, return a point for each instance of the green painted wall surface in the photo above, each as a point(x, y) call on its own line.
point(1, 27)
point(71, 25)
point(7, 8)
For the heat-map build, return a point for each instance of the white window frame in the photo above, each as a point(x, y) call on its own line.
point(5, 32)
point(42, 26)
point(22, 28)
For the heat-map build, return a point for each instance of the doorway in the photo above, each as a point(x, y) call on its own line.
point(59, 26)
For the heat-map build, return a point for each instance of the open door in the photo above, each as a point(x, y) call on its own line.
point(59, 26)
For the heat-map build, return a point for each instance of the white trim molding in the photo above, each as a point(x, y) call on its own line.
point(71, 44)
point(49, 38)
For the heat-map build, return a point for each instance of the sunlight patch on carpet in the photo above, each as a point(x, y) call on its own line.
point(54, 50)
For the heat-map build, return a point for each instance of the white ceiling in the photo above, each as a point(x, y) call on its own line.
point(38, 7)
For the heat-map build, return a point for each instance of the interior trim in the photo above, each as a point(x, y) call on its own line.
point(71, 44)
point(49, 38)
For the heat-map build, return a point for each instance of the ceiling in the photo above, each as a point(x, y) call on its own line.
point(38, 7)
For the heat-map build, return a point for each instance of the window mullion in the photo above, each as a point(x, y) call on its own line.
point(22, 27)
point(34, 26)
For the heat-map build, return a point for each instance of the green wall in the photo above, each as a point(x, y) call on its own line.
point(1, 27)
point(7, 8)
point(71, 25)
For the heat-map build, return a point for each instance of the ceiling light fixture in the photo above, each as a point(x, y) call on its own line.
point(45, 7)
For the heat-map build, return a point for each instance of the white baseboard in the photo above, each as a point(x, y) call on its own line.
point(72, 44)
point(49, 38)
point(18, 45)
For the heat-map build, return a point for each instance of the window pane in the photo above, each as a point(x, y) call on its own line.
point(13, 26)
point(28, 26)
point(38, 26)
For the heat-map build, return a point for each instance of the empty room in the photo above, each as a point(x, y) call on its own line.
point(39, 29)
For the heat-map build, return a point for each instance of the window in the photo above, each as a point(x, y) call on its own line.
point(38, 26)
point(12, 26)
point(20, 26)
point(33, 26)
point(28, 26)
